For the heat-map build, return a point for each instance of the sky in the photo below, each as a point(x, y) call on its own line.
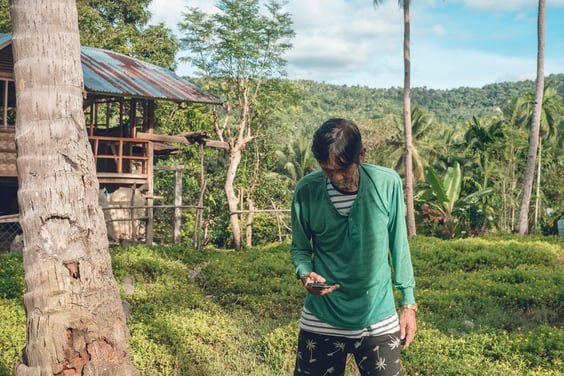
point(454, 43)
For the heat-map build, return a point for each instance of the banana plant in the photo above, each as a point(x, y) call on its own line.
point(441, 200)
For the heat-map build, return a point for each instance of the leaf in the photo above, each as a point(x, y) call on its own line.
point(481, 192)
point(453, 183)
point(435, 183)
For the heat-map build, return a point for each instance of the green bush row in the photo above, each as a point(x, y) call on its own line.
point(490, 306)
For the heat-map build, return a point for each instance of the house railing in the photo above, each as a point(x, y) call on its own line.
point(120, 155)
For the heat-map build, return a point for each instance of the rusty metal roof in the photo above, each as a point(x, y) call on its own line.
point(110, 73)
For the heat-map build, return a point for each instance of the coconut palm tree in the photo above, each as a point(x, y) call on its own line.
point(523, 222)
point(75, 318)
point(552, 109)
point(407, 117)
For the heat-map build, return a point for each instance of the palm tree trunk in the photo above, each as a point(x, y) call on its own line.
point(523, 221)
point(411, 229)
point(537, 198)
point(75, 320)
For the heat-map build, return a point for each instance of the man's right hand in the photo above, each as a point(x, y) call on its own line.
point(312, 277)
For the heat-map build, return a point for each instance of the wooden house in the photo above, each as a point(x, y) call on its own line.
point(119, 108)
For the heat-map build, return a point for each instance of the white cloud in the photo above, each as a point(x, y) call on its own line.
point(337, 40)
point(166, 11)
point(505, 5)
point(438, 30)
point(464, 67)
point(170, 11)
point(499, 5)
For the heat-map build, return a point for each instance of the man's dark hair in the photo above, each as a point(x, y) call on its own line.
point(340, 138)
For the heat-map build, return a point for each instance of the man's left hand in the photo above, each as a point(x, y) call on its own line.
point(408, 326)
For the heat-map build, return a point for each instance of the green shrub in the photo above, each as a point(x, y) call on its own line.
point(260, 280)
point(12, 283)
point(475, 354)
point(277, 347)
point(151, 357)
point(12, 313)
point(12, 333)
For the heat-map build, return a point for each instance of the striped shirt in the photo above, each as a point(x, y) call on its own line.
point(312, 324)
point(343, 203)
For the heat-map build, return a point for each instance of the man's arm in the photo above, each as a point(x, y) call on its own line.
point(403, 269)
point(301, 251)
point(399, 246)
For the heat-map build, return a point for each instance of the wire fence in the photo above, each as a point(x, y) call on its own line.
point(188, 226)
point(10, 233)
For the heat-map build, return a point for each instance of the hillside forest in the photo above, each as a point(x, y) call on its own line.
point(478, 134)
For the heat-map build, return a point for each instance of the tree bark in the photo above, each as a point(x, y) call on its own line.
point(410, 208)
point(538, 190)
point(75, 320)
point(523, 221)
point(232, 200)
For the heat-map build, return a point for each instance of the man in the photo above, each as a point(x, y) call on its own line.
point(348, 230)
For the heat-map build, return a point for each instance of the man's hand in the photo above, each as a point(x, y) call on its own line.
point(408, 326)
point(308, 278)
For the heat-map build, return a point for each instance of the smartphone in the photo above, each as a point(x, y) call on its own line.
point(319, 285)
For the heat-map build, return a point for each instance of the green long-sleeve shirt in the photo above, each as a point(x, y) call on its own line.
point(353, 250)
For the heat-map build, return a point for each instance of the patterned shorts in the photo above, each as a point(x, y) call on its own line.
point(322, 355)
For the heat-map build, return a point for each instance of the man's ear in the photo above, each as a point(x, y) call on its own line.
point(362, 155)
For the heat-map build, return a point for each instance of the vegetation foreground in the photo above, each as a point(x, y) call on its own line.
point(489, 306)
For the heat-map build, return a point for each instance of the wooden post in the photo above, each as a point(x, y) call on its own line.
point(177, 220)
point(5, 114)
point(197, 242)
point(133, 228)
point(149, 230)
point(177, 203)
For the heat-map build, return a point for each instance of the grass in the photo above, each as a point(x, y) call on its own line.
point(489, 306)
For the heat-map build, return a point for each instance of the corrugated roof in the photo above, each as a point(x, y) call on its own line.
point(110, 73)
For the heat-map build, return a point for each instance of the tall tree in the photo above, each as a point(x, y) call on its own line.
point(235, 51)
point(523, 222)
point(552, 109)
point(75, 320)
point(411, 229)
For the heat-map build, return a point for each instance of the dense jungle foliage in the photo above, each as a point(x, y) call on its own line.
point(484, 130)
point(489, 306)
